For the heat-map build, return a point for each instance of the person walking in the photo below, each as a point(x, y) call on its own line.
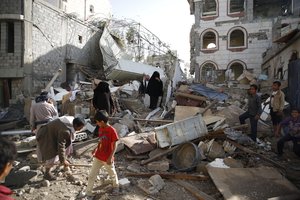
point(254, 111)
point(155, 90)
point(104, 153)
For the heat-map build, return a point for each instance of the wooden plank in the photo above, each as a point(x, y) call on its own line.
point(192, 189)
point(144, 162)
point(183, 112)
point(171, 176)
point(250, 183)
point(208, 107)
point(212, 119)
point(145, 120)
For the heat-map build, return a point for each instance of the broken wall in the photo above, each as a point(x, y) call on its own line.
point(58, 40)
point(275, 65)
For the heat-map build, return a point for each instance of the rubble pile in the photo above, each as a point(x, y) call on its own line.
point(192, 148)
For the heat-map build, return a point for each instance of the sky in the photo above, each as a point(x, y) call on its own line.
point(170, 20)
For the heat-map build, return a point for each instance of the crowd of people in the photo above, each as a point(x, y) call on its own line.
point(287, 129)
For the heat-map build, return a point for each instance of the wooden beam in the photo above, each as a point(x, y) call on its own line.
point(192, 189)
point(145, 120)
point(143, 162)
point(209, 106)
point(256, 154)
point(171, 176)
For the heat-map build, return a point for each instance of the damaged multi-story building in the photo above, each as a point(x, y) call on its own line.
point(281, 60)
point(37, 39)
point(229, 37)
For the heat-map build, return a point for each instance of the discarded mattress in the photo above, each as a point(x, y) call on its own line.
point(180, 131)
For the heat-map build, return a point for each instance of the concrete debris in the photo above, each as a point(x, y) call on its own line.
point(46, 183)
point(24, 169)
point(193, 115)
point(124, 182)
point(121, 129)
point(160, 166)
point(134, 167)
point(140, 143)
point(157, 184)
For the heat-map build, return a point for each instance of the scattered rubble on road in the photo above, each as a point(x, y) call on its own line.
point(192, 148)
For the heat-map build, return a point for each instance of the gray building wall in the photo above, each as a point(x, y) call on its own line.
point(58, 40)
point(45, 40)
point(11, 6)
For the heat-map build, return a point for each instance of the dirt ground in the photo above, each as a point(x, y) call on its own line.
point(29, 185)
point(26, 179)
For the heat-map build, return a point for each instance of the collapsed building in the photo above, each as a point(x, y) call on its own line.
point(226, 43)
point(53, 42)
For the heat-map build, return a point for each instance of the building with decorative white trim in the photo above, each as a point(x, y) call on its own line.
point(230, 36)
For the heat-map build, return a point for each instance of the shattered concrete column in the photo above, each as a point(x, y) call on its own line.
point(194, 37)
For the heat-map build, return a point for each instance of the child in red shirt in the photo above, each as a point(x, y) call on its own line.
point(104, 153)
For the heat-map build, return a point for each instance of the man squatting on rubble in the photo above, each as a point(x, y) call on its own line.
point(104, 153)
point(254, 111)
point(8, 153)
point(276, 106)
point(55, 142)
point(292, 133)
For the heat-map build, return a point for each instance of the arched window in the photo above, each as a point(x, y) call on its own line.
point(237, 38)
point(209, 40)
point(208, 72)
point(235, 6)
point(209, 8)
point(235, 69)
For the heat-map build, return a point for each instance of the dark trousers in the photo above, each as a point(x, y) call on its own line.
point(253, 123)
point(286, 138)
point(153, 102)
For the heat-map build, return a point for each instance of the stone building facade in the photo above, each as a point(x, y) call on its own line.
point(230, 36)
point(37, 39)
